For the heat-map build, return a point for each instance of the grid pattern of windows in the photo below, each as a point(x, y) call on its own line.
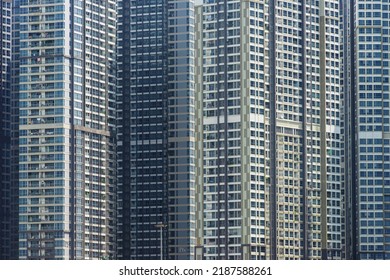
point(5, 131)
point(181, 130)
point(142, 128)
point(233, 133)
point(270, 128)
point(67, 110)
point(307, 129)
point(373, 128)
point(156, 129)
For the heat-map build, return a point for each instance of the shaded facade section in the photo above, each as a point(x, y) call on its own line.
point(155, 130)
point(6, 217)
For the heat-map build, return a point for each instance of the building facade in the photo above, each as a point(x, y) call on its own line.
point(5, 130)
point(268, 128)
point(156, 173)
point(368, 24)
point(348, 128)
point(67, 86)
point(244, 129)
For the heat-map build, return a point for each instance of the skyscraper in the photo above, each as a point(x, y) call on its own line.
point(141, 129)
point(156, 129)
point(348, 128)
point(5, 129)
point(268, 99)
point(368, 124)
point(67, 135)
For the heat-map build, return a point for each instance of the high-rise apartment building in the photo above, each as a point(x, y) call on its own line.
point(67, 86)
point(348, 127)
point(156, 176)
point(366, 90)
point(268, 118)
point(240, 129)
point(5, 129)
